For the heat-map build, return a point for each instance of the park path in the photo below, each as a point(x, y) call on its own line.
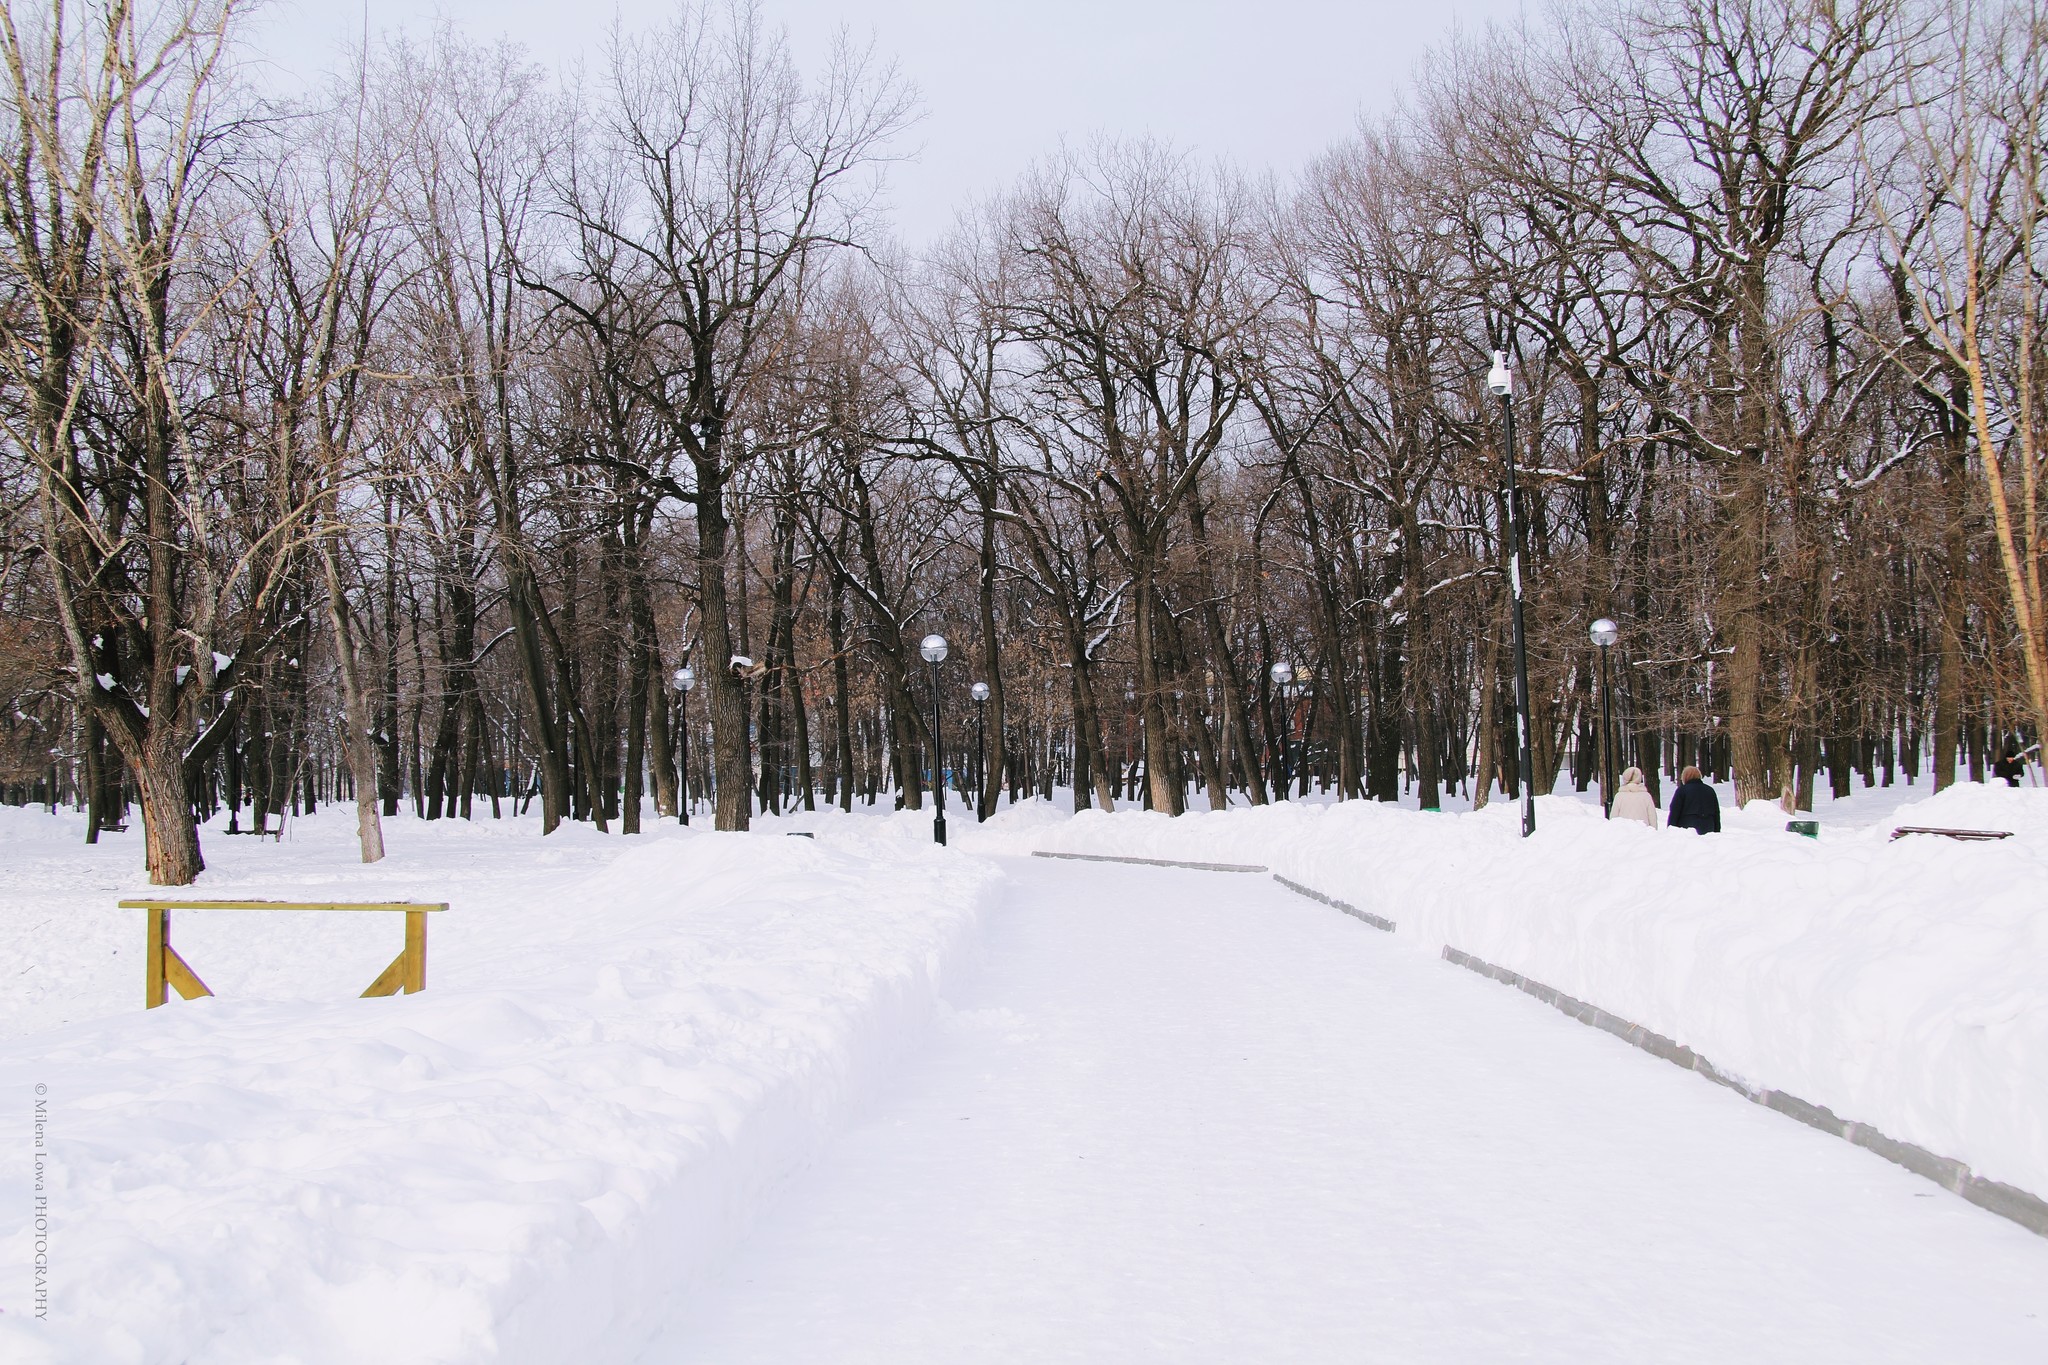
point(1185, 1116)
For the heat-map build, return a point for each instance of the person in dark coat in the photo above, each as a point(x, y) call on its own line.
point(2012, 767)
point(1694, 805)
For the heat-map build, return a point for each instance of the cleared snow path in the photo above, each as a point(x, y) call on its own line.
point(1183, 1116)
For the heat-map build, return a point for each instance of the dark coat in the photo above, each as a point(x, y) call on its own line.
point(1695, 807)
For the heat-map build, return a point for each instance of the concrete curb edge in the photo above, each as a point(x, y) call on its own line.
point(2007, 1201)
point(1365, 916)
point(1148, 862)
point(2010, 1202)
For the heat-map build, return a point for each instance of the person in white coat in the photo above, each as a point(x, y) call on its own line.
point(1633, 801)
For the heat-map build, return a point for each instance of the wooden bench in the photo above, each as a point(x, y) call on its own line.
point(1965, 834)
point(164, 970)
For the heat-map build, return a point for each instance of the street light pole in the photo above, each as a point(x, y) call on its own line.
point(933, 648)
point(742, 668)
point(1605, 633)
point(1129, 773)
point(686, 680)
point(980, 694)
point(234, 747)
point(1283, 675)
point(1502, 385)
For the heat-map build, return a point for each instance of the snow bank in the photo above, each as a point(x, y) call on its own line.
point(1902, 985)
point(607, 1072)
point(1011, 829)
point(67, 954)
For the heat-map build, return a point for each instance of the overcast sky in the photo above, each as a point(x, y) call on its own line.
point(1263, 85)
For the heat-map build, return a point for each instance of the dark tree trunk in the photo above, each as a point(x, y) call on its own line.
point(170, 835)
point(842, 697)
point(730, 761)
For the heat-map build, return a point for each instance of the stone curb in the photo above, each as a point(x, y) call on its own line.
point(2030, 1211)
point(1149, 862)
point(2007, 1201)
point(1365, 916)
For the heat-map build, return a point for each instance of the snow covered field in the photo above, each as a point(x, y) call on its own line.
point(1185, 1117)
point(623, 1046)
point(629, 1049)
point(1901, 984)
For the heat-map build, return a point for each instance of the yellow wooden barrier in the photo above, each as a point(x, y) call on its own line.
point(165, 971)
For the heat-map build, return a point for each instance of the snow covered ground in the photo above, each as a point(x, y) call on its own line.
point(67, 954)
point(630, 1048)
point(623, 1047)
point(1192, 1117)
point(1901, 984)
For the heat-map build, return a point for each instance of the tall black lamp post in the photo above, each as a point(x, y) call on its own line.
point(742, 668)
point(685, 679)
point(1283, 678)
point(1605, 633)
point(1130, 725)
point(933, 648)
point(234, 747)
point(980, 694)
point(1502, 385)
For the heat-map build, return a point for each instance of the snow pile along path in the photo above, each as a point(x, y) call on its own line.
point(1901, 984)
point(67, 954)
point(599, 1087)
point(1190, 1118)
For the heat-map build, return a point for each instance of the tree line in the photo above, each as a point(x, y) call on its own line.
point(398, 441)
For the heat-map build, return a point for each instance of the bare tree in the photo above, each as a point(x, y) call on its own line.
point(112, 189)
point(1964, 220)
point(732, 178)
point(1134, 288)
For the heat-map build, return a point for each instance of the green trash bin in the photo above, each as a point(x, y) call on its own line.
point(1810, 828)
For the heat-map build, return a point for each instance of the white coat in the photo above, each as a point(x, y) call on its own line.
point(1633, 800)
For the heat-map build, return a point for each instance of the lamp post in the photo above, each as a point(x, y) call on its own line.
point(1208, 713)
point(1130, 705)
point(980, 694)
point(1501, 384)
point(933, 648)
point(235, 775)
point(685, 679)
point(742, 668)
point(1283, 676)
point(1605, 633)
